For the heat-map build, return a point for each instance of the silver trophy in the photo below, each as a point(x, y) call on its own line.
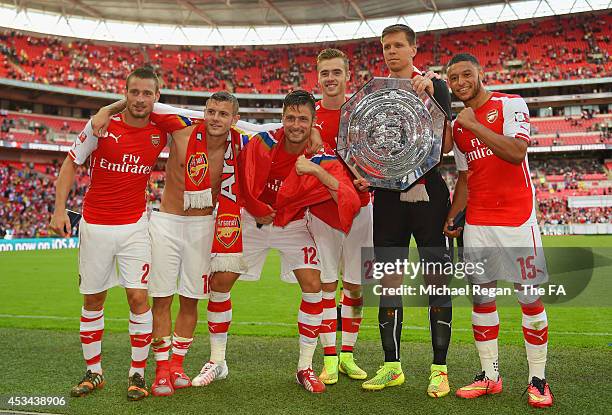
point(388, 135)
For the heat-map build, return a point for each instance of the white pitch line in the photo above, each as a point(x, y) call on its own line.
point(2, 412)
point(280, 324)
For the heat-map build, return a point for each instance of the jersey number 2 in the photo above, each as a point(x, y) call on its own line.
point(145, 273)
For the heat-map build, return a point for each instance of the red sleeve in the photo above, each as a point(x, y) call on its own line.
point(170, 123)
point(303, 191)
point(253, 168)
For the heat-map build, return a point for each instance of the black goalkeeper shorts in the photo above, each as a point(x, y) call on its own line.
point(395, 222)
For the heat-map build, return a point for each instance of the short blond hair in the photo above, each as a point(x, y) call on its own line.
point(331, 53)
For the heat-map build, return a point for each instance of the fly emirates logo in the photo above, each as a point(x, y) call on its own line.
point(129, 164)
point(479, 151)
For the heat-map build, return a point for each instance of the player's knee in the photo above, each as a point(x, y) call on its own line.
point(526, 298)
point(353, 288)
point(162, 304)
point(137, 300)
point(94, 302)
point(484, 307)
point(188, 305)
point(309, 279)
point(222, 282)
point(330, 287)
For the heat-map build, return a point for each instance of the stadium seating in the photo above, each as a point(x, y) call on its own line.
point(27, 192)
point(22, 127)
point(556, 179)
point(27, 195)
point(543, 50)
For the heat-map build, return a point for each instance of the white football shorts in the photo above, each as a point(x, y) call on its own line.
point(111, 255)
point(294, 243)
point(340, 252)
point(508, 253)
point(180, 248)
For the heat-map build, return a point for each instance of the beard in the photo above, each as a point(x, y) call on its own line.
point(138, 115)
point(297, 138)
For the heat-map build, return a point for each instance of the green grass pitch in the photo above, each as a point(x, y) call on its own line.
point(40, 305)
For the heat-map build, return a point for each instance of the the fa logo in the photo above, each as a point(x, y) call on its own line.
point(521, 117)
point(492, 116)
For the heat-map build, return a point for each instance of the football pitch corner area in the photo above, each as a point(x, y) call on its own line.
point(39, 320)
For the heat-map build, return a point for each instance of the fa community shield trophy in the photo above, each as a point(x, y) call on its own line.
point(388, 135)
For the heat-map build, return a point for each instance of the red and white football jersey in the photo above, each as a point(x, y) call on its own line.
point(499, 193)
point(119, 169)
point(328, 122)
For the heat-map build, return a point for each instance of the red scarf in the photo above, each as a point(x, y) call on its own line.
point(296, 192)
point(197, 194)
point(227, 244)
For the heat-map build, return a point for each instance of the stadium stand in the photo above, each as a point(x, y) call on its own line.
point(27, 127)
point(27, 196)
point(556, 179)
point(569, 47)
point(26, 200)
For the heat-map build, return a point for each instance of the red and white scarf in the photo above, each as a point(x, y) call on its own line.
point(226, 253)
point(227, 245)
point(197, 194)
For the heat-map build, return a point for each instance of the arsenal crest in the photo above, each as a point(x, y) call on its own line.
point(155, 139)
point(197, 167)
point(228, 229)
point(492, 116)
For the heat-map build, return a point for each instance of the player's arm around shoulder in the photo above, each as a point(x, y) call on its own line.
point(183, 135)
point(101, 120)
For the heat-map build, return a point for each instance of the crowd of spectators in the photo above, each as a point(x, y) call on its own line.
point(557, 48)
point(570, 178)
point(27, 196)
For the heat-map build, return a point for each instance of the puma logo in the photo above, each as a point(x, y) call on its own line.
point(537, 336)
point(314, 334)
point(446, 323)
point(328, 325)
point(115, 137)
point(145, 340)
point(482, 333)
